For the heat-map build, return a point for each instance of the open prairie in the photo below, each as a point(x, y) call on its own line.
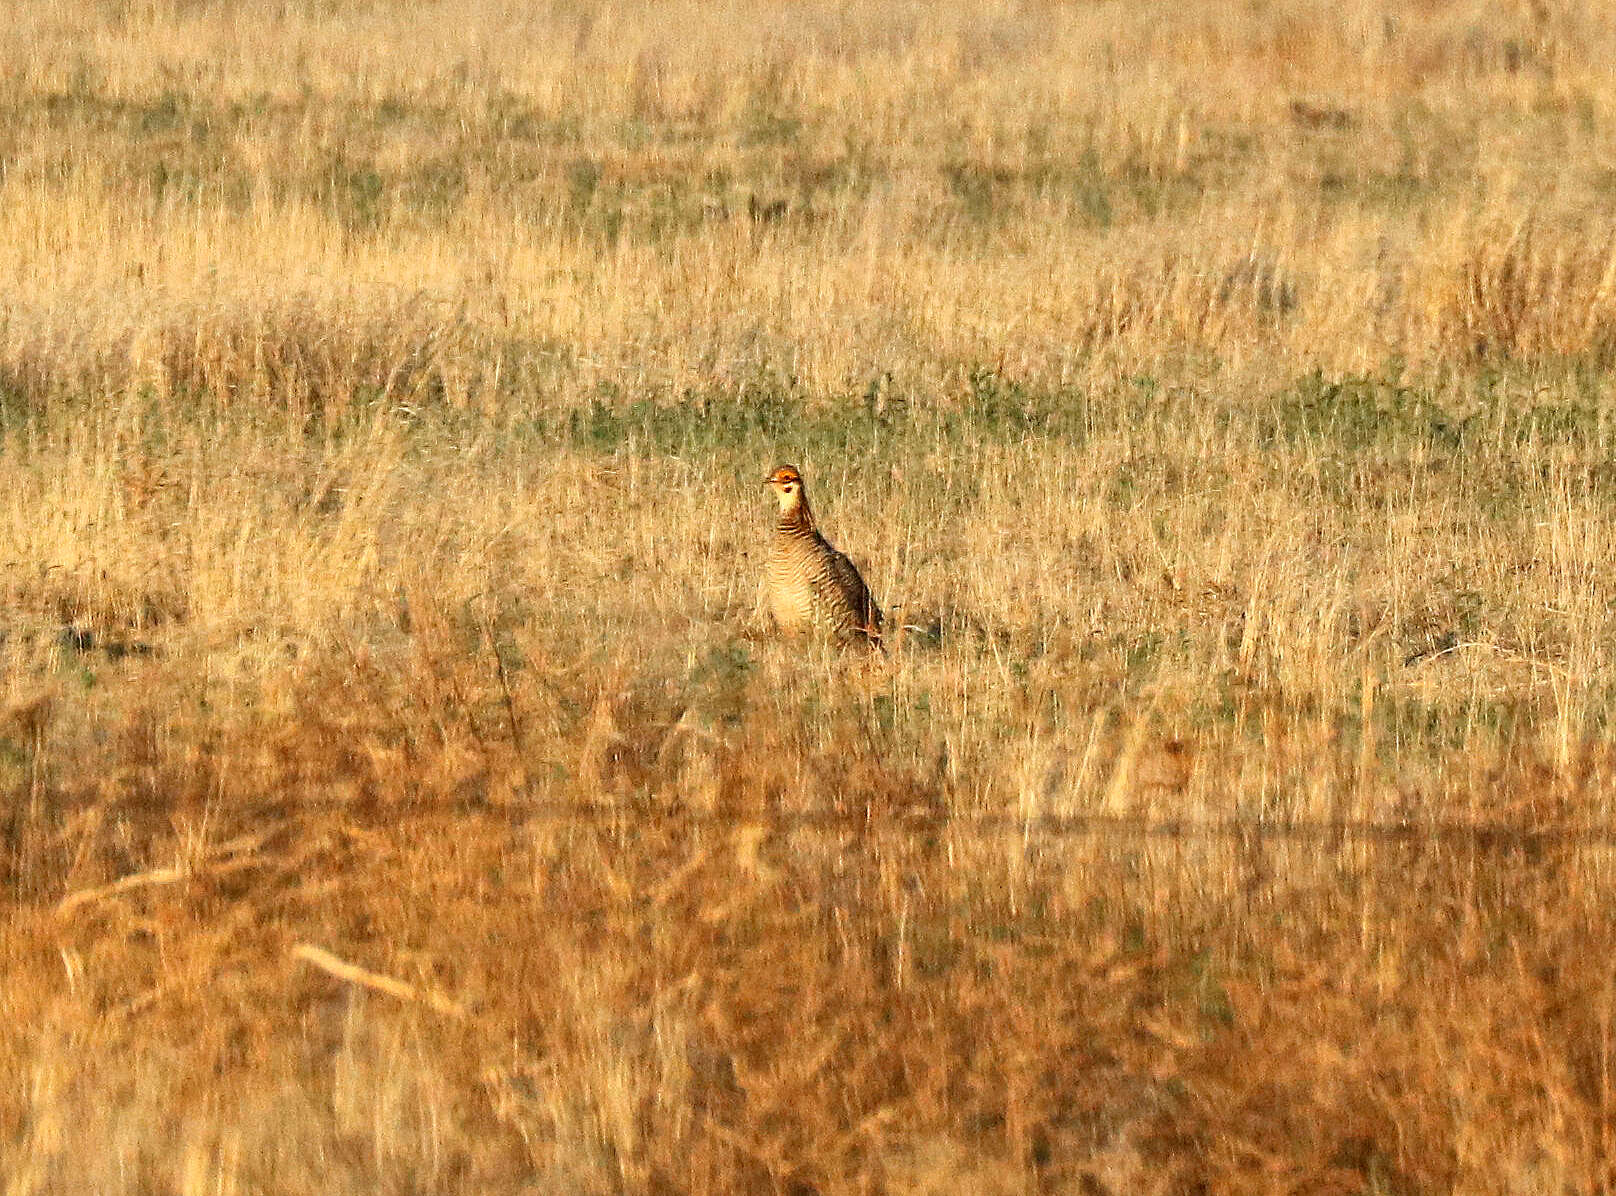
point(400, 794)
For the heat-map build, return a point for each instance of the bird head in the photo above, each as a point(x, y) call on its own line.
point(786, 483)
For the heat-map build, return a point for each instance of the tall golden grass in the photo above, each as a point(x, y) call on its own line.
point(400, 797)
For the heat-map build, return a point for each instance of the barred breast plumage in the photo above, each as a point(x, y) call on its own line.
point(809, 586)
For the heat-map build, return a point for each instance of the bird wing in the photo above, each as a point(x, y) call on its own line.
point(857, 593)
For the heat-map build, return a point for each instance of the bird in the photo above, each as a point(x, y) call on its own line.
point(809, 586)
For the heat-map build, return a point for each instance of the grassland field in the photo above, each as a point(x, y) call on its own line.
point(401, 794)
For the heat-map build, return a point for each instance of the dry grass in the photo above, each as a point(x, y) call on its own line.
point(398, 798)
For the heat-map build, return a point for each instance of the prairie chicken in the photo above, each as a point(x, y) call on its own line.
point(808, 585)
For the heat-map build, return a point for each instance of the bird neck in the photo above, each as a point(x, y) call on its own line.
point(795, 515)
